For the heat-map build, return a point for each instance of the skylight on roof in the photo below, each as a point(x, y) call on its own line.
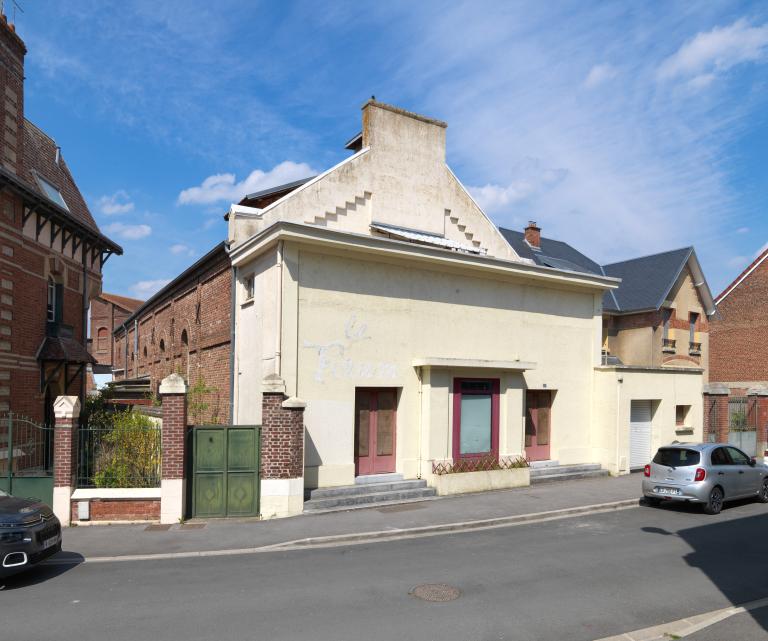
point(52, 192)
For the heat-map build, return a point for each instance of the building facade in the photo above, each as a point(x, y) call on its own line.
point(51, 257)
point(185, 329)
point(379, 294)
point(736, 403)
point(107, 312)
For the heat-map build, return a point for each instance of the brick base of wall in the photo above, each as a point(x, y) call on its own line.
point(121, 509)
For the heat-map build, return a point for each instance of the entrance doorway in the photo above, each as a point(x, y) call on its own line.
point(538, 412)
point(640, 415)
point(375, 428)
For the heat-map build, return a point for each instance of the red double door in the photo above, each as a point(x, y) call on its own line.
point(375, 428)
point(538, 411)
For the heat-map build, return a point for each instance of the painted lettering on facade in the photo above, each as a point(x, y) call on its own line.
point(336, 361)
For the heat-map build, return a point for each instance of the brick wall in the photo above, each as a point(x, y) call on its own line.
point(121, 509)
point(282, 439)
point(738, 340)
point(187, 332)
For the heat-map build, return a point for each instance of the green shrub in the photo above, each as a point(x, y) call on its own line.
point(126, 450)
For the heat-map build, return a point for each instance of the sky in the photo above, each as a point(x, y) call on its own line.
point(622, 128)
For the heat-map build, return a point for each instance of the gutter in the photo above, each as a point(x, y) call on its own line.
point(282, 230)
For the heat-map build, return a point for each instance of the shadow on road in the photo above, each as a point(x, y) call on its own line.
point(731, 553)
point(50, 569)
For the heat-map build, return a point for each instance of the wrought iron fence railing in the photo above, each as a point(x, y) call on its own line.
point(125, 453)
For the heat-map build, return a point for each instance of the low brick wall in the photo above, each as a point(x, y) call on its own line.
point(120, 509)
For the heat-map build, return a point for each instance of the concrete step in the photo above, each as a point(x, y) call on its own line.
point(368, 488)
point(378, 478)
point(569, 476)
point(540, 464)
point(562, 469)
point(371, 498)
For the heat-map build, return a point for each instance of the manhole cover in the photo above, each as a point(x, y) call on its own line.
point(437, 592)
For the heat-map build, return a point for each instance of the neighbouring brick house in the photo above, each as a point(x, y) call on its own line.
point(658, 316)
point(107, 312)
point(51, 256)
point(736, 406)
point(185, 328)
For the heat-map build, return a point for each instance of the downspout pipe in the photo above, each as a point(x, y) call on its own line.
point(232, 335)
point(84, 373)
point(279, 314)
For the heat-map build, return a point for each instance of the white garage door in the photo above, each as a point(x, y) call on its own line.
point(639, 433)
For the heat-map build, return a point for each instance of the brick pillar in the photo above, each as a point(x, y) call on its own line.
point(66, 409)
point(282, 451)
point(173, 391)
point(716, 411)
point(759, 396)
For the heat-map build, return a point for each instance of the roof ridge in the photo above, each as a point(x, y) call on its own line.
point(742, 276)
point(27, 121)
point(688, 248)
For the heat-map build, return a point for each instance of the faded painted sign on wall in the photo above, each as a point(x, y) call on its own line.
point(336, 359)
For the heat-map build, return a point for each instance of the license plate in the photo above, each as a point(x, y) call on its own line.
point(671, 491)
point(50, 542)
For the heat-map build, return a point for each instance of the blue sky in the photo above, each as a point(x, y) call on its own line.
point(622, 128)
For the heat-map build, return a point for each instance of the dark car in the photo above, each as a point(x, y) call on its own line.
point(29, 533)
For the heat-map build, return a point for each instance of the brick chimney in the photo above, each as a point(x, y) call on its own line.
point(12, 52)
point(533, 234)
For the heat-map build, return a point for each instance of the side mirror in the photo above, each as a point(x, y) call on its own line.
point(752, 462)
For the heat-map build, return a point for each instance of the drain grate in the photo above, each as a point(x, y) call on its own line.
point(192, 526)
point(436, 592)
point(156, 527)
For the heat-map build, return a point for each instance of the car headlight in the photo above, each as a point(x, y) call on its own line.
point(13, 537)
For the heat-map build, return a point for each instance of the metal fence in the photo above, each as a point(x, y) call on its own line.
point(742, 425)
point(122, 451)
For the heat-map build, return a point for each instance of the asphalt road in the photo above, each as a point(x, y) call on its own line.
point(576, 579)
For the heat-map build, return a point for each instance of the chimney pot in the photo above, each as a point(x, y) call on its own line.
point(533, 234)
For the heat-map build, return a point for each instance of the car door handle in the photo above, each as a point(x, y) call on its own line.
point(741, 471)
point(721, 473)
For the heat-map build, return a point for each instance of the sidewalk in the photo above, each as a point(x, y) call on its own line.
point(221, 534)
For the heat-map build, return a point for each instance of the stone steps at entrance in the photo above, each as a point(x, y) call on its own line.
point(551, 473)
point(367, 494)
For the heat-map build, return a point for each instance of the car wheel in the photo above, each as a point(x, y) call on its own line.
point(651, 501)
point(715, 502)
point(762, 495)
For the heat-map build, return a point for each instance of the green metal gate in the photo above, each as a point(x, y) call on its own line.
point(225, 470)
point(26, 458)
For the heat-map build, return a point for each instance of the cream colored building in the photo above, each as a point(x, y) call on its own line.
point(384, 297)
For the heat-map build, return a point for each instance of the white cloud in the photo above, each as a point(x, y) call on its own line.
point(146, 288)
point(738, 261)
point(117, 203)
point(599, 74)
point(716, 51)
point(128, 232)
point(224, 187)
point(742, 230)
point(181, 248)
point(529, 179)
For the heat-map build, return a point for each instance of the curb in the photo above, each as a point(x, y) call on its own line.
point(360, 538)
point(685, 627)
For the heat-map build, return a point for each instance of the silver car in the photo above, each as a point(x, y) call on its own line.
point(707, 473)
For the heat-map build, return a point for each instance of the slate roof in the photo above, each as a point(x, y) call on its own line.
point(40, 158)
point(128, 304)
point(276, 190)
point(63, 349)
point(554, 253)
point(645, 281)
